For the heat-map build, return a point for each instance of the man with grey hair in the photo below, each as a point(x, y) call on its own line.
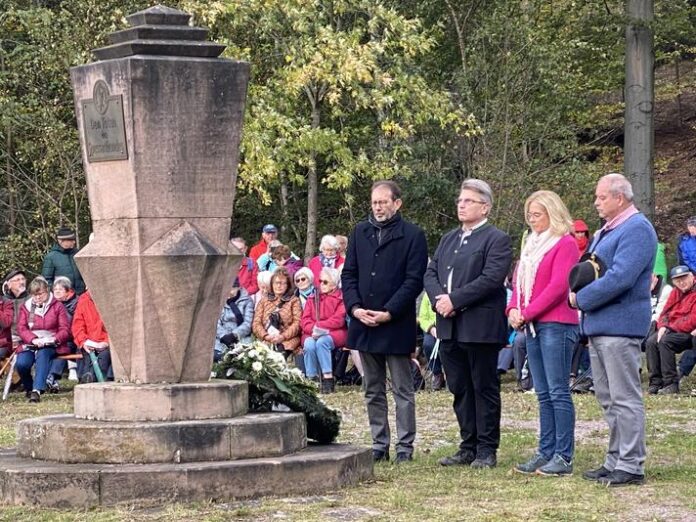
point(616, 316)
point(465, 283)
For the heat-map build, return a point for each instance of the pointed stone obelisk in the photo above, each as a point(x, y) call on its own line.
point(160, 119)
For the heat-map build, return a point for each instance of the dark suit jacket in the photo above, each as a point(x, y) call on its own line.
point(384, 277)
point(480, 265)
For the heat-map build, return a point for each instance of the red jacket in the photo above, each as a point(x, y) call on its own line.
point(258, 250)
point(87, 323)
point(248, 273)
point(6, 318)
point(315, 266)
point(54, 320)
point(332, 316)
point(679, 313)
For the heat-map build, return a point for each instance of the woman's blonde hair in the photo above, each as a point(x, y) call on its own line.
point(37, 285)
point(560, 222)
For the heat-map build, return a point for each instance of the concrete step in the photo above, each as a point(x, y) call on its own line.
point(64, 438)
point(129, 402)
point(313, 470)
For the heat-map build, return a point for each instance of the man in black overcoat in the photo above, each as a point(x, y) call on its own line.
point(382, 277)
point(464, 281)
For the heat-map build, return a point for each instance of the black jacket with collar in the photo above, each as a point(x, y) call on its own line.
point(385, 277)
point(480, 264)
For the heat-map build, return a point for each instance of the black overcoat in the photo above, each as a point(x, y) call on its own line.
point(480, 264)
point(384, 277)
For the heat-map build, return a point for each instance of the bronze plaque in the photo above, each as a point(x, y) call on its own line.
point(104, 127)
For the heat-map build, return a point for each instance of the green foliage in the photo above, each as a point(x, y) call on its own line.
point(525, 94)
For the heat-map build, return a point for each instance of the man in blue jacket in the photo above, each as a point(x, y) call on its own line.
point(382, 277)
point(616, 317)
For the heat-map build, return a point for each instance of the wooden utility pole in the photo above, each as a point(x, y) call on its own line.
point(639, 127)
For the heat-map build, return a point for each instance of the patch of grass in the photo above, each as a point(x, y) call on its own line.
point(423, 490)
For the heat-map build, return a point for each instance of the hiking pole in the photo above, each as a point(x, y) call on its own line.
point(8, 381)
point(95, 366)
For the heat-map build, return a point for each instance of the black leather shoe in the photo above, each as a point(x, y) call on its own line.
point(461, 458)
point(618, 478)
point(402, 457)
point(596, 474)
point(380, 456)
point(485, 462)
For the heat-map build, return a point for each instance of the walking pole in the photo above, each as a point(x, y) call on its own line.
point(8, 380)
point(95, 365)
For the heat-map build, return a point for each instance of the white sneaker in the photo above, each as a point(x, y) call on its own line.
point(72, 375)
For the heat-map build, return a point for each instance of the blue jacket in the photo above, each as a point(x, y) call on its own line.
point(687, 251)
point(618, 303)
point(227, 323)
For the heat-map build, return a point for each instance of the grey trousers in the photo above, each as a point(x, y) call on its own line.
point(375, 383)
point(616, 372)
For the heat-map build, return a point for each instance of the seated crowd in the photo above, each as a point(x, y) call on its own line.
point(55, 328)
point(52, 325)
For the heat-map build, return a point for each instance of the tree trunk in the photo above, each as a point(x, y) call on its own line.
point(639, 131)
point(312, 190)
point(285, 218)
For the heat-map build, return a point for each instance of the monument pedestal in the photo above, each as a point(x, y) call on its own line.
point(160, 120)
point(158, 443)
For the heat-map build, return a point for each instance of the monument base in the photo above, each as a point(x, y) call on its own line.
point(164, 450)
point(315, 469)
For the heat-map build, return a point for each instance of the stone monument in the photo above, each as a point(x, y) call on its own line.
point(160, 117)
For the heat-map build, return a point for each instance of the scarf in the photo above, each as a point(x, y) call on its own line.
point(535, 248)
point(382, 226)
point(327, 262)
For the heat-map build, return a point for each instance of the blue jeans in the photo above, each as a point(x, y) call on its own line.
point(550, 354)
point(317, 355)
point(26, 359)
point(428, 347)
point(687, 362)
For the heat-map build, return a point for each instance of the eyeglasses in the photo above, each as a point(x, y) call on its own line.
point(325, 282)
point(467, 202)
point(535, 215)
point(300, 279)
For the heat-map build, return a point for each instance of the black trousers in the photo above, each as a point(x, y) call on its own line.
point(471, 371)
point(662, 359)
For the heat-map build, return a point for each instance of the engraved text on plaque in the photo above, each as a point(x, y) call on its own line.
point(105, 134)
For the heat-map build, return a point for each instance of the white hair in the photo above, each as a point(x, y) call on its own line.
point(63, 282)
point(305, 272)
point(264, 278)
point(328, 241)
point(333, 274)
point(480, 186)
point(619, 185)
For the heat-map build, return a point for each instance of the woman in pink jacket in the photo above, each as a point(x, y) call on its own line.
point(323, 329)
point(539, 305)
point(44, 330)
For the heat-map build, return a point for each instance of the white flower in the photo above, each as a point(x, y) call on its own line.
point(297, 372)
point(252, 354)
point(230, 371)
point(257, 366)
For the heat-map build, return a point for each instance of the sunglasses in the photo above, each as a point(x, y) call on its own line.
point(300, 279)
point(325, 282)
